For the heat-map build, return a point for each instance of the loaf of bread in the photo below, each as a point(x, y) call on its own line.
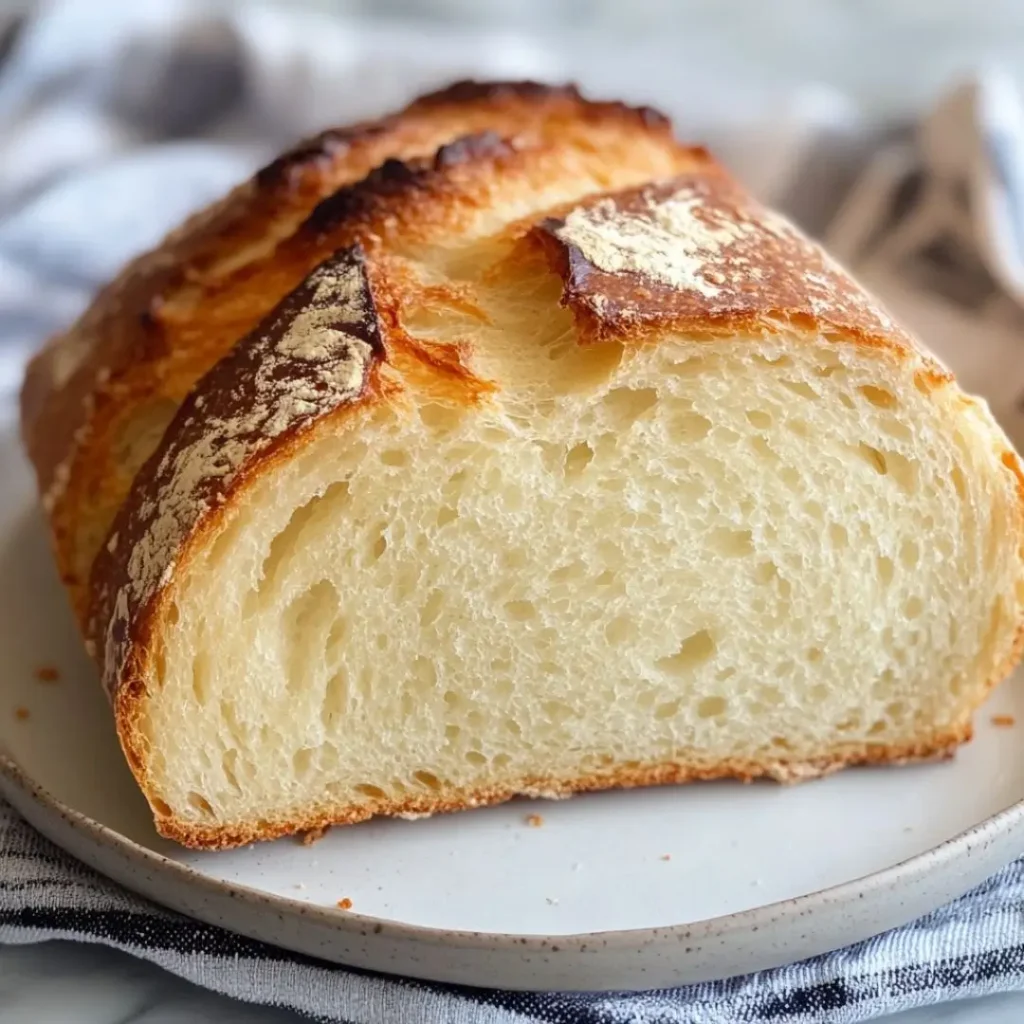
point(507, 446)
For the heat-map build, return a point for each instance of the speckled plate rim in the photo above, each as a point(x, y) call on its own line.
point(755, 939)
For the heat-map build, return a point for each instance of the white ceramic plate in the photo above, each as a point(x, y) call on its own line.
point(617, 890)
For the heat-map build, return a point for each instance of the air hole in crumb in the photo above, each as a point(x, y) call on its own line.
point(712, 707)
point(431, 608)
point(759, 419)
point(694, 651)
point(815, 654)
point(667, 710)
point(873, 457)
point(626, 405)
point(564, 573)
point(897, 709)
point(605, 579)
point(446, 514)
point(475, 757)
point(688, 426)
point(200, 803)
point(439, 418)
point(878, 727)
point(781, 743)
point(959, 483)
point(886, 569)
point(302, 761)
point(620, 629)
point(520, 611)
point(839, 536)
point(201, 676)
point(173, 614)
point(732, 543)
point(878, 396)
point(394, 457)
point(765, 572)
point(771, 695)
point(557, 711)
point(424, 673)
point(373, 792)
point(801, 388)
point(501, 760)
point(913, 607)
point(819, 693)
point(380, 545)
point(162, 808)
point(428, 779)
point(577, 459)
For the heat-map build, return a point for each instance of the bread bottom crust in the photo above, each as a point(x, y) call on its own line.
point(940, 746)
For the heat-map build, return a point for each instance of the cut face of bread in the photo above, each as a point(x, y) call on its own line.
point(537, 479)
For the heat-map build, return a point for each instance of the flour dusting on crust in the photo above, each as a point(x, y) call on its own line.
point(312, 354)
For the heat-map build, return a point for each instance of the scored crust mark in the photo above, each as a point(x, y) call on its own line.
point(312, 355)
point(696, 253)
point(403, 179)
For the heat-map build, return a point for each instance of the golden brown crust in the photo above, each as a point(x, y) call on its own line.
point(615, 776)
point(172, 313)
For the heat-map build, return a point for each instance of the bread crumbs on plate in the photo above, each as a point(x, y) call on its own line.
point(47, 674)
point(1003, 721)
point(345, 904)
point(21, 714)
point(534, 820)
point(666, 856)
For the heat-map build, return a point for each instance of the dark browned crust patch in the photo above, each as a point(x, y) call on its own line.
point(746, 267)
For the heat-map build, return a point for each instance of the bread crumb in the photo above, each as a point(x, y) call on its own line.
point(1003, 721)
point(299, 885)
point(534, 820)
point(21, 714)
point(345, 904)
point(552, 900)
point(666, 856)
point(47, 674)
point(313, 835)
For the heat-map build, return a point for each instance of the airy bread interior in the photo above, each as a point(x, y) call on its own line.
point(632, 562)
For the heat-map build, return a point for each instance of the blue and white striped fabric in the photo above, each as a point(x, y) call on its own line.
point(117, 119)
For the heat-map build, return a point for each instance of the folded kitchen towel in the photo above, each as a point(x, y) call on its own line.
point(105, 106)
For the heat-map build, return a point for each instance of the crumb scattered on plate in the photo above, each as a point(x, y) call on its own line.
point(666, 856)
point(21, 714)
point(47, 674)
point(553, 900)
point(577, 866)
point(299, 885)
point(345, 904)
point(313, 835)
point(1003, 721)
point(534, 820)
